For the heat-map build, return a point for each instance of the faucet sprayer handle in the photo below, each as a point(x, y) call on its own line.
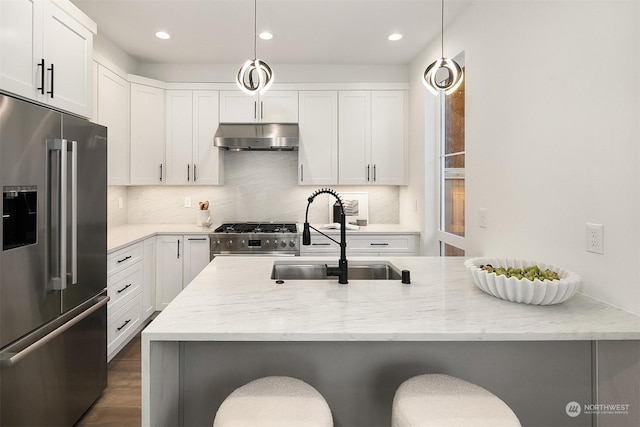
point(306, 234)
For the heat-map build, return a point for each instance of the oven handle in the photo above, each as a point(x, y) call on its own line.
point(213, 255)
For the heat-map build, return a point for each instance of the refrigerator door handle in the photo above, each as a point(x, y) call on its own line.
point(74, 211)
point(59, 282)
point(15, 358)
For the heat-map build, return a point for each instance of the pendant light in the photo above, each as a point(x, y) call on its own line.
point(255, 75)
point(454, 73)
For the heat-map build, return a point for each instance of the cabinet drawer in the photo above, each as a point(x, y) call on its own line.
point(123, 323)
point(383, 244)
point(123, 258)
point(321, 245)
point(123, 286)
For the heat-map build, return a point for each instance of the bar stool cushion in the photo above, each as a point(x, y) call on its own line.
point(274, 402)
point(446, 401)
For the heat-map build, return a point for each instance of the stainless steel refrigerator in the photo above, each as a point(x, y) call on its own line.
point(53, 265)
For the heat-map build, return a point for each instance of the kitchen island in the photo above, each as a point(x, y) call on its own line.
point(356, 343)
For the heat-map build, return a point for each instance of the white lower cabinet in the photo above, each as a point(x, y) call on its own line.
point(178, 260)
point(149, 278)
point(196, 257)
point(122, 325)
point(124, 288)
point(364, 245)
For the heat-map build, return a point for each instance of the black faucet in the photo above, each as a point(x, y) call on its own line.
point(341, 270)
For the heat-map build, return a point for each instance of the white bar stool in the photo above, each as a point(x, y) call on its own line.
point(446, 401)
point(274, 402)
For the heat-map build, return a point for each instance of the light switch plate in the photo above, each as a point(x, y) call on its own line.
point(187, 202)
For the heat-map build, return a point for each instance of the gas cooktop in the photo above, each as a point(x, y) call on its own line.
point(265, 238)
point(257, 227)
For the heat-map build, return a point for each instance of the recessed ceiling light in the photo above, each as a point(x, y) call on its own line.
point(395, 37)
point(162, 35)
point(265, 35)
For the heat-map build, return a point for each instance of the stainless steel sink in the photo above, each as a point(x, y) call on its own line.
point(316, 270)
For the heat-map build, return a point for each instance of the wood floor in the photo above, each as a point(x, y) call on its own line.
point(120, 403)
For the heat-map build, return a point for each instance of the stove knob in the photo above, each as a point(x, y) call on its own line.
point(266, 243)
point(275, 243)
point(230, 242)
point(242, 243)
point(292, 243)
point(283, 244)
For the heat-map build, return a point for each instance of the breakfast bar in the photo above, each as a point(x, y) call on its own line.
point(233, 323)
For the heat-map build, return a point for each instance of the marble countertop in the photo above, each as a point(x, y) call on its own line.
point(234, 299)
point(123, 235)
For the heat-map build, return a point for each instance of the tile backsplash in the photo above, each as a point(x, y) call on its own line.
point(259, 186)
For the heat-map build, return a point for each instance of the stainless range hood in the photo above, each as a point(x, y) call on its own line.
point(257, 136)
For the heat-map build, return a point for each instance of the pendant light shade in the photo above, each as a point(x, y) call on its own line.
point(255, 75)
point(443, 75)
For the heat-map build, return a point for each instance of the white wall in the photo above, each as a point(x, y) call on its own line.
point(110, 55)
point(551, 143)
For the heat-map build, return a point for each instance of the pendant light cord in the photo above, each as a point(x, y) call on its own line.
point(442, 29)
point(255, 29)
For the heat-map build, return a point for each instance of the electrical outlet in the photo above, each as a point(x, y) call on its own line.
point(187, 202)
point(595, 238)
point(482, 217)
point(120, 203)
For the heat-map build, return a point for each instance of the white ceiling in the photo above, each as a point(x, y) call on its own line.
point(305, 31)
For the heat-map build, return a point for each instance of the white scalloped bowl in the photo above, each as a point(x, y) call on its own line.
point(536, 292)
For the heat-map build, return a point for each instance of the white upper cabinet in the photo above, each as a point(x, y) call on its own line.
point(373, 138)
point(113, 112)
point(68, 50)
point(318, 150)
point(355, 137)
point(192, 120)
point(147, 135)
point(178, 149)
point(279, 106)
point(272, 106)
point(20, 54)
point(208, 161)
point(46, 49)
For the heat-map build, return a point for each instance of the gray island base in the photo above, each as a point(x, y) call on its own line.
point(357, 343)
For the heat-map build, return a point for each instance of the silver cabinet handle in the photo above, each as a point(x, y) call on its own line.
point(261, 110)
point(198, 238)
point(374, 173)
point(255, 109)
point(320, 244)
point(301, 173)
point(368, 172)
point(178, 248)
point(100, 302)
point(188, 173)
point(194, 172)
point(378, 244)
point(160, 172)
